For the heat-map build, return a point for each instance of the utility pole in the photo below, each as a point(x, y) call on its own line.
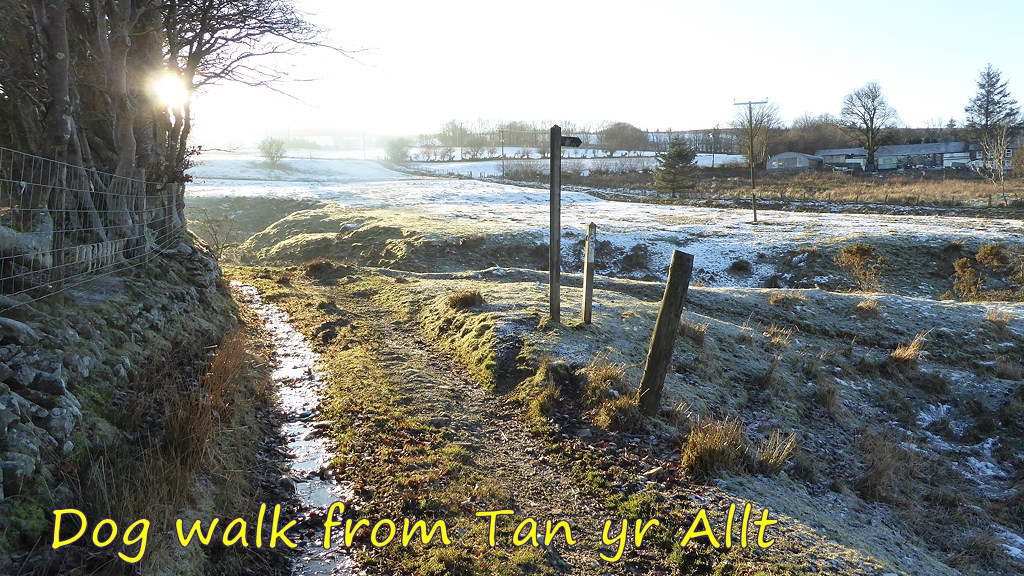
point(714, 145)
point(750, 150)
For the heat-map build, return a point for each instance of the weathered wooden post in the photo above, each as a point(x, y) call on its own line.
point(589, 258)
point(555, 240)
point(660, 353)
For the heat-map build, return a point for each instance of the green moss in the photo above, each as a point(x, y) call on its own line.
point(23, 522)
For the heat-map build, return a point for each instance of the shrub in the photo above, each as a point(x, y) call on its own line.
point(862, 264)
point(992, 255)
point(272, 149)
point(319, 268)
point(967, 282)
point(714, 447)
point(740, 266)
point(397, 150)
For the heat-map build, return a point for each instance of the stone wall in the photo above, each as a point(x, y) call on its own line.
point(65, 360)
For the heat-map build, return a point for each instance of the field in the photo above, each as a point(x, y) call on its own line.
point(869, 397)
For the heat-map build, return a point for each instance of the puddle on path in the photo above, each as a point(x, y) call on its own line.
point(298, 393)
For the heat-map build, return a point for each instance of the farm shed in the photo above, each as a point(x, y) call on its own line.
point(794, 161)
point(927, 155)
point(844, 156)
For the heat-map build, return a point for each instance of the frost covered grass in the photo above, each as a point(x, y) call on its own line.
point(820, 364)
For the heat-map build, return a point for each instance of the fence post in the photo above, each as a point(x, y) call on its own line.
point(589, 258)
point(662, 341)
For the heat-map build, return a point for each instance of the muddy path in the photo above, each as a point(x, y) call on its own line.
point(432, 389)
point(442, 393)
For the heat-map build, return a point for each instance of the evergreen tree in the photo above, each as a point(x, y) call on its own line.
point(992, 115)
point(992, 107)
point(676, 171)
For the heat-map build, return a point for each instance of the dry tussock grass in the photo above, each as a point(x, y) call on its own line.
point(786, 298)
point(1000, 320)
point(773, 452)
point(464, 300)
point(621, 415)
point(714, 447)
point(778, 336)
point(883, 458)
point(867, 308)
point(695, 332)
point(179, 432)
point(604, 381)
point(827, 396)
point(909, 354)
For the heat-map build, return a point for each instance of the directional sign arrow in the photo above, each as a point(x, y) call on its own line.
point(571, 141)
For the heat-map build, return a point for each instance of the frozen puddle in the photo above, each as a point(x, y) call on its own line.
point(298, 396)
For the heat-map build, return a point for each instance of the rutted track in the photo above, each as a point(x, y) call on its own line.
point(432, 389)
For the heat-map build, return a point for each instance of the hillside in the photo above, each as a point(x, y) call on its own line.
point(863, 416)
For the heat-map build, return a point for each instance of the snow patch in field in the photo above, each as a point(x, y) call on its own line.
point(716, 237)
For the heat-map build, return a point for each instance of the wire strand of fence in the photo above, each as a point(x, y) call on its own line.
point(62, 225)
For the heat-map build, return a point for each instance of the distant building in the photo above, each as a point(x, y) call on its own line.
point(845, 157)
point(937, 154)
point(794, 161)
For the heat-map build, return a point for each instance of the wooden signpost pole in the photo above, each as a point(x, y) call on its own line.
point(555, 238)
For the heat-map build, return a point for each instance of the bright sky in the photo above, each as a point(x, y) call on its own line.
point(656, 64)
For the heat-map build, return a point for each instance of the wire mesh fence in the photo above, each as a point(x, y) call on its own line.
point(62, 225)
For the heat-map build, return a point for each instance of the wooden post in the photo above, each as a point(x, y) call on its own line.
point(660, 353)
point(589, 258)
point(555, 241)
point(753, 203)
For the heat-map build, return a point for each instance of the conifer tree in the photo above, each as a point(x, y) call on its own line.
point(992, 116)
point(676, 171)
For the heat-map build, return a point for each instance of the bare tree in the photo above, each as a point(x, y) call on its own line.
point(74, 87)
point(757, 125)
point(812, 133)
point(623, 136)
point(272, 149)
point(867, 117)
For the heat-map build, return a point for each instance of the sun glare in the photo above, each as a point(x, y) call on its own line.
point(170, 91)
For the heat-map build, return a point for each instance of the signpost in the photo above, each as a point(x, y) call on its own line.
point(555, 238)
